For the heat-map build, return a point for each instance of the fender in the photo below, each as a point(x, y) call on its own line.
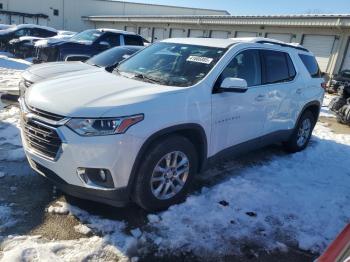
point(306, 106)
point(168, 131)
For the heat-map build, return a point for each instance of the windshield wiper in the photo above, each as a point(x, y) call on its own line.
point(148, 79)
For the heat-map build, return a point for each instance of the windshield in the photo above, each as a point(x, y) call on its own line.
point(87, 36)
point(111, 56)
point(172, 64)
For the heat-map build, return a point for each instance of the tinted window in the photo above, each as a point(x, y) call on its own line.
point(291, 68)
point(245, 65)
point(276, 67)
point(87, 36)
point(311, 65)
point(111, 39)
point(46, 33)
point(111, 56)
point(132, 40)
point(22, 32)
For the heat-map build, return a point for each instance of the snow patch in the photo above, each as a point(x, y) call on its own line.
point(82, 229)
point(35, 248)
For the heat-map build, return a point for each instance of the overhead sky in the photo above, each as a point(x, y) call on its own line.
point(263, 7)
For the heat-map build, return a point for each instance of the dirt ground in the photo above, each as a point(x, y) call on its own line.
point(32, 194)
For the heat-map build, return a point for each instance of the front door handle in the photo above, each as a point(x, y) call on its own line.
point(260, 98)
point(299, 91)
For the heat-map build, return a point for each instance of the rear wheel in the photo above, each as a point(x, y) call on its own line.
point(302, 133)
point(166, 173)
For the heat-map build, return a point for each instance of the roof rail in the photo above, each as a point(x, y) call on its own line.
point(281, 44)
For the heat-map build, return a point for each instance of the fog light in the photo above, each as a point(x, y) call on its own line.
point(96, 177)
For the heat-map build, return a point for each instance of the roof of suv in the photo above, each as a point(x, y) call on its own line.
point(225, 43)
point(116, 31)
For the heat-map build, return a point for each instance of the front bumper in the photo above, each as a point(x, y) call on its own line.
point(116, 197)
point(117, 153)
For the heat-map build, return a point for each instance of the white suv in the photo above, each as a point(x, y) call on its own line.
point(144, 132)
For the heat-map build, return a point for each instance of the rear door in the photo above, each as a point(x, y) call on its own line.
point(279, 79)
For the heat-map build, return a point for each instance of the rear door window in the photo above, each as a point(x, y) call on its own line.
point(133, 40)
point(277, 67)
point(111, 39)
point(311, 65)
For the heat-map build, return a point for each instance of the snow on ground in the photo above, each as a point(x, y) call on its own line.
point(10, 72)
point(34, 248)
point(10, 140)
point(325, 112)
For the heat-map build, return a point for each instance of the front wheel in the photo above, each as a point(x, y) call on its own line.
point(166, 173)
point(302, 133)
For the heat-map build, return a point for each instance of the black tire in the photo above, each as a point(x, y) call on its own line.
point(343, 115)
point(143, 195)
point(336, 103)
point(292, 145)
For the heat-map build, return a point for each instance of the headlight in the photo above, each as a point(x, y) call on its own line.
point(103, 126)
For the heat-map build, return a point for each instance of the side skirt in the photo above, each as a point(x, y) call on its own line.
point(245, 147)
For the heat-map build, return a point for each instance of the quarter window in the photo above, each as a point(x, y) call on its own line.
point(278, 67)
point(245, 65)
point(311, 65)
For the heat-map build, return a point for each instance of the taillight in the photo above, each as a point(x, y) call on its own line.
point(324, 85)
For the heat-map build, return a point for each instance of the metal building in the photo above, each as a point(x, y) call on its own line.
point(327, 36)
point(67, 14)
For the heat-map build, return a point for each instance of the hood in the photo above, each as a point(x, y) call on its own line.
point(93, 94)
point(62, 42)
point(43, 71)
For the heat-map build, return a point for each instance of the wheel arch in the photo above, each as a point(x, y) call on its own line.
point(193, 132)
point(314, 107)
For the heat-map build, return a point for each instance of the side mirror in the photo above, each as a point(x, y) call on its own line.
point(104, 45)
point(235, 85)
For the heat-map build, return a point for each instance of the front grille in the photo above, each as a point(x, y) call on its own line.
point(42, 138)
point(45, 114)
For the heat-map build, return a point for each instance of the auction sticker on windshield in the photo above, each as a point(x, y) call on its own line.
point(200, 59)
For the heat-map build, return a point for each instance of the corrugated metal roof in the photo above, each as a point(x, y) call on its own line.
point(171, 6)
point(231, 16)
point(299, 20)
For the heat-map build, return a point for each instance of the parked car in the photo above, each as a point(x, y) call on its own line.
point(338, 80)
point(108, 60)
point(23, 47)
point(18, 31)
point(5, 26)
point(166, 113)
point(84, 45)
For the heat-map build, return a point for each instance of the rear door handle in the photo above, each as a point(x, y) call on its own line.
point(260, 98)
point(299, 91)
